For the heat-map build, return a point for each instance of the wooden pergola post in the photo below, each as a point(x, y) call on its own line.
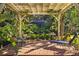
point(20, 18)
point(62, 26)
point(59, 28)
point(20, 26)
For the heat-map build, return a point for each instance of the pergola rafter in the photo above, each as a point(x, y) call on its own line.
point(39, 8)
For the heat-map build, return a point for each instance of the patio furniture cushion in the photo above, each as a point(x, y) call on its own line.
point(59, 41)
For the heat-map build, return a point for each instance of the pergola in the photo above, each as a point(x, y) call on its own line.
point(58, 10)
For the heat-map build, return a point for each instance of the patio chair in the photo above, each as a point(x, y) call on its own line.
point(19, 41)
point(63, 41)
